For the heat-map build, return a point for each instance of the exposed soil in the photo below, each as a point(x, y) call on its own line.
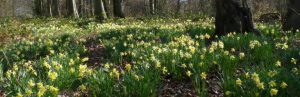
point(214, 85)
point(3, 38)
point(177, 89)
point(2, 94)
point(96, 53)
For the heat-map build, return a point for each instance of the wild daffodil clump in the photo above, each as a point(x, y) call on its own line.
point(56, 58)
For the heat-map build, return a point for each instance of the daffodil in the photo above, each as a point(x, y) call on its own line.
point(232, 49)
point(28, 92)
point(232, 57)
point(207, 36)
point(40, 85)
point(285, 46)
point(19, 95)
point(272, 84)
point(283, 85)
point(238, 82)
point(273, 92)
point(116, 73)
point(136, 77)
point(272, 73)
point(107, 66)
point(201, 37)
point(42, 89)
point(242, 55)
point(189, 73)
point(183, 66)
point(46, 65)
point(84, 59)
point(89, 71)
point(247, 75)
point(278, 63)
point(203, 75)
point(52, 75)
point(221, 44)
point(192, 49)
point(260, 85)
point(15, 68)
point(31, 83)
point(295, 70)
point(227, 93)
point(72, 62)
point(53, 89)
point(254, 43)
point(52, 52)
point(226, 53)
point(294, 61)
point(128, 67)
point(82, 87)
point(82, 70)
point(72, 70)
point(255, 77)
point(191, 65)
point(164, 70)
point(157, 64)
point(58, 66)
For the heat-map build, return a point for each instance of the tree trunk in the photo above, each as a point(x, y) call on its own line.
point(106, 7)
point(99, 10)
point(59, 6)
point(233, 16)
point(54, 8)
point(75, 12)
point(178, 7)
point(37, 7)
point(291, 20)
point(118, 8)
point(156, 6)
point(152, 7)
point(69, 7)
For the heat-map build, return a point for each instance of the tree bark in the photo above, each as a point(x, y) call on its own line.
point(59, 8)
point(99, 10)
point(106, 7)
point(37, 7)
point(69, 7)
point(233, 16)
point(118, 8)
point(178, 7)
point(75, 11)
point(291, 20)
point(156, 11)
point(54, 8)
point(152, 7)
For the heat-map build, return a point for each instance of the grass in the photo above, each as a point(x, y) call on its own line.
point(48, 57)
